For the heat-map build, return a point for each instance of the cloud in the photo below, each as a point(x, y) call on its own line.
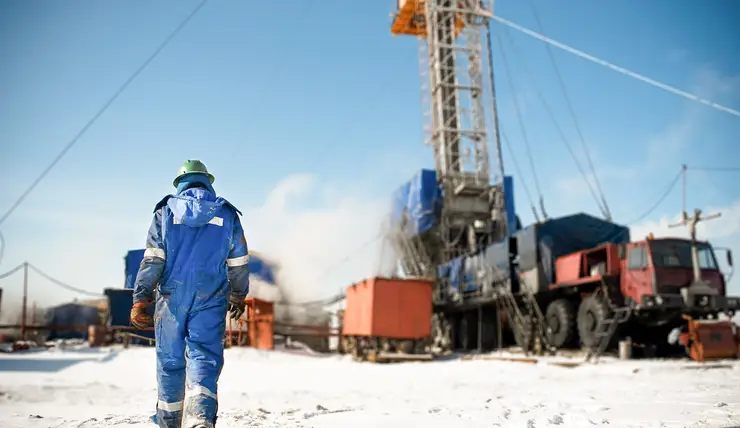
point(321, 244)
point(662, 149)
point(320, 233)
point(721, 232)
point(678, 55)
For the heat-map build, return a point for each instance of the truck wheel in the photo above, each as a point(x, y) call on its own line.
point(561, 323)
point(591, 316)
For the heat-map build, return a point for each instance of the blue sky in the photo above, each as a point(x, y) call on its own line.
point(309, 116)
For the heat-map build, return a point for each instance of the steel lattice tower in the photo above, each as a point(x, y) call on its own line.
point(454, 97)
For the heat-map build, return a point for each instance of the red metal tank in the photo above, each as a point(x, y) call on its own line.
point(391, 308)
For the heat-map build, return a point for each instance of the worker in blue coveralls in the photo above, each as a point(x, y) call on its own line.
point(195, 271)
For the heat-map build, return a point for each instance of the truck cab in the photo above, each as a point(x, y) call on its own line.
point(659, 274)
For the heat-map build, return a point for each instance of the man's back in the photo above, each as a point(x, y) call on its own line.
point(198, 232)
point(197, 259)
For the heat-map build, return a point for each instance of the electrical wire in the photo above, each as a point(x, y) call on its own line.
point(560, 131)
point(568, 102)
point(616, 68)
point(715, 168)
point(2, 247)
point(103, 109)
point(12, 271)
point(662, 197)
point(63, 285)
point(522, 128)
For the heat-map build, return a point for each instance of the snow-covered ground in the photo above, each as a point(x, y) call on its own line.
point(115, 387)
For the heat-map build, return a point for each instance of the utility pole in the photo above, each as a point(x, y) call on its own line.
point(25, 301)
point(698, 286)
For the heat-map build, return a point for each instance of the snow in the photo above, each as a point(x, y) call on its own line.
point(109, 387)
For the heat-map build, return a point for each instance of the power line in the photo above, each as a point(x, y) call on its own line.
point(665, 194)
point(561, 81)
point(51, 279)
point(617, 68)
point(2, 246)
point(103, 109)
point(62, 284)
point(715, 168)
point(12, 271)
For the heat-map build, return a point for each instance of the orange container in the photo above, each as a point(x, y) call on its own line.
point(392, 308)
point(260, 323)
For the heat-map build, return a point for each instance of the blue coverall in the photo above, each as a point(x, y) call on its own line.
point(196, 256)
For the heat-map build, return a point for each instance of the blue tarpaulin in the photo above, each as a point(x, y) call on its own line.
point(132, 261)
point(257, 267)
point(417, 204)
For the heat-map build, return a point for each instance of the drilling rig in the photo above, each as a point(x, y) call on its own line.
point(454, 230)
point(465, 204)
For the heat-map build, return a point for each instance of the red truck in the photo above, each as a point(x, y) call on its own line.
point(645, 287)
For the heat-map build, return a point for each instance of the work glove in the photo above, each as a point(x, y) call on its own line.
point(236, 306)
point(139, 317)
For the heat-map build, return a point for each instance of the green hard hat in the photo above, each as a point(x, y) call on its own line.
point(192, 166)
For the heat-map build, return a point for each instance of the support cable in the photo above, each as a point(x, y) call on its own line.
point(527, 146)
point(102, 110)
point(560, 132)
point(520, 174)
point(568, 102)
point(617, 68)
point(494, 107)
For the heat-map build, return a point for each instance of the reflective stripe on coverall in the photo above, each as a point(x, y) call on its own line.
point(196, 254)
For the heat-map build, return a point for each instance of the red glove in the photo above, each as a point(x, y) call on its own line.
point(139, 318)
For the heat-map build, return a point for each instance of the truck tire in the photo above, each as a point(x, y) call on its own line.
point(592, 314)
point(561, 323)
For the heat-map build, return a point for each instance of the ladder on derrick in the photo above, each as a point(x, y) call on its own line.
point(617, 316)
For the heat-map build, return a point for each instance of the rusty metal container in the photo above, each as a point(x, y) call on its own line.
point(711, 340)
point(390, 308)
point(96, 335)
point(260, 323)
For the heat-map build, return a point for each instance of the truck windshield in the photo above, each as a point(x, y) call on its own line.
point(677, 254)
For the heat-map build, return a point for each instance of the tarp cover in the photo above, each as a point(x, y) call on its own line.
point(257, 267)
point(132, 261)
point(417, 204)
point(564, 235)
point(71, 315)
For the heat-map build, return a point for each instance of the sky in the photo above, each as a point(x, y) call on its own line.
point(310, 116)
